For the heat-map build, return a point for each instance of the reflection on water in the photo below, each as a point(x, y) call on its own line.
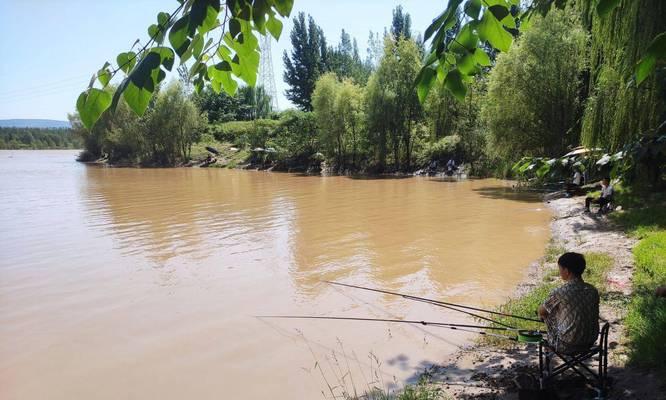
point(143, 283)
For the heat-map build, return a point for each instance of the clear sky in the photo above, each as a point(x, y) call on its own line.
point(50, 48)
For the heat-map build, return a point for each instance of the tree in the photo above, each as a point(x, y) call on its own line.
point(401, 25)
point(305, 65)
point(219, 107)
point(220, 39)
point(339, 111)
point(253, 103)
point(541, 75)
point(392, 102)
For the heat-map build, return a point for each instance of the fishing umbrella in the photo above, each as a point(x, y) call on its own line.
point(581, 150)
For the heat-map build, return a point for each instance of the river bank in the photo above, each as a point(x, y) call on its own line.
point(485, 371)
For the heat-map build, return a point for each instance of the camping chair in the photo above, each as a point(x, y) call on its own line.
point(576, 362)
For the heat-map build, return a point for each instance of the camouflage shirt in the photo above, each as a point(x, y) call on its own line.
point(573, 316)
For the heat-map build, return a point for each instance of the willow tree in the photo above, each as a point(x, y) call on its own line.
point(619, 111)
point(533, 103)
point(391, 90)
point(338, 108)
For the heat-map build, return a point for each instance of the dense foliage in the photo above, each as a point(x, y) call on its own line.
point(311, 57)
point(163, 136)
point(542, 76)
point(247, 104)
point(38, 138)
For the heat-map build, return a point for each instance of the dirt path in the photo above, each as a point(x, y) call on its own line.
point(484, 372)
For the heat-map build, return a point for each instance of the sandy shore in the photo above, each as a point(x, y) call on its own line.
point(484, 372)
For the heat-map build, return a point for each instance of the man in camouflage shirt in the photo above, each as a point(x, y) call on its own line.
point(571, 312)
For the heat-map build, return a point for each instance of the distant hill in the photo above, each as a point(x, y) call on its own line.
point(33, 123)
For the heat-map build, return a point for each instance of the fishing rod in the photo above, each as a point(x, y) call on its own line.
point(434, 302)
point(403, 321)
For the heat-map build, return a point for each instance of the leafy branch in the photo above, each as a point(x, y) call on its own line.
point(223, 51)
point(497, 22)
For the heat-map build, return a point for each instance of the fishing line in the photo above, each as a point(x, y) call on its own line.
point(431, 301)
point(403, 321)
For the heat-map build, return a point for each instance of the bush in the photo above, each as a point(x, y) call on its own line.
point(646, 320)
point(244, 133)
point(441, 150)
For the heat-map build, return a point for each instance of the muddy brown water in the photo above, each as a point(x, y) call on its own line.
point(145, 283)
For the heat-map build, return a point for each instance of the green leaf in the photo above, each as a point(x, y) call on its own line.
point(482, 58)
point(221, 78)
point(466, 64)
point(126, 61)
point(259, 9)
point(491, 29)
point(234, 27)
point(466, 38)
point(137, 98)
point(644, 68)
point(178, 35)
point(455, 85)
point(203, 15)
point(500, 12)
point(606, 6)
point(166, 55)
point(424, 82)
point(163, 19)
point(246, 67)
point(442, 19)
point(104, 76)
point(656, 51)
point(274, 26)
point(284, 7)
point(91, 104)
point(473, 8)
point(197, 45)
point(143, 79)
point(224, 53)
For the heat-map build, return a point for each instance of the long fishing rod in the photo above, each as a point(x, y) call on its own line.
point(434, 302)
point(403, 321)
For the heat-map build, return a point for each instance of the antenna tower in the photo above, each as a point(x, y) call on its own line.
point(266, 77)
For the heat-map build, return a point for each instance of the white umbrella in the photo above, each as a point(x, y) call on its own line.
point(581, 150)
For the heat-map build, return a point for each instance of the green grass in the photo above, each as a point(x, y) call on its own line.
point(553, 251)
point(646, 319)
point(640, 222)
point(645, 322)
point(598, 265)
point(420, 391)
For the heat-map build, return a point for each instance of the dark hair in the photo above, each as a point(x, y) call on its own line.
point(574, 262)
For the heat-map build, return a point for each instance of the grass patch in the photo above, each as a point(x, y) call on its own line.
point(421, 391)
point(646, 319)
point(598, 265)
point(553, 252)
point(640, 222)
point(596, 272)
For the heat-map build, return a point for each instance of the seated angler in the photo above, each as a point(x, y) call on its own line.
point(605, 197)
point(571, 311)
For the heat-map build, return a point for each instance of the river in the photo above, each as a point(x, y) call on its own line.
point(145, 283)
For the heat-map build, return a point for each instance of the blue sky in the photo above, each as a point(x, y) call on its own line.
point(50, 48)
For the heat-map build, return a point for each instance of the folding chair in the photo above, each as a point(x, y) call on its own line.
point(576, 362)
